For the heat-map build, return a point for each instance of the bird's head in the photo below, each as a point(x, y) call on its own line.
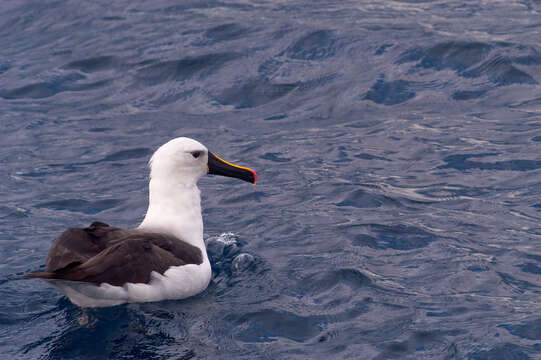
point(186, 160)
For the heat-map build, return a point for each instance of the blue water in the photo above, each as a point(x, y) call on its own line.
point(398, 147)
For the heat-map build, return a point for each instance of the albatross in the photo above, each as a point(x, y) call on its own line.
point(164, 258)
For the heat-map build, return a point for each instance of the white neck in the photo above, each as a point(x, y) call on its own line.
point(175, 209)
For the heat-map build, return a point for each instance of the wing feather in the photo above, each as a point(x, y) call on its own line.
point(104, 254)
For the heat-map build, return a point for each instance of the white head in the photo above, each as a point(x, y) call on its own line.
point(180, 161)
point(185, 161)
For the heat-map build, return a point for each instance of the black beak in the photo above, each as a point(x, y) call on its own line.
point(218, 166)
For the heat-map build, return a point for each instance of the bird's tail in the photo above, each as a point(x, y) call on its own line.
point(40, 275)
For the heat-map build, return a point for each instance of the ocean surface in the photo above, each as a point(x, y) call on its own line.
point(398, 148)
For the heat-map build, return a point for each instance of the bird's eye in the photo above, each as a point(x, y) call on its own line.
point(196, 154)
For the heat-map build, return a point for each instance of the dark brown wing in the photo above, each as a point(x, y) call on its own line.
point(104, 254)
point(76, 245)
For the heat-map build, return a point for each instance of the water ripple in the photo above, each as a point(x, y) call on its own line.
point(397, 212)
point(183, 69)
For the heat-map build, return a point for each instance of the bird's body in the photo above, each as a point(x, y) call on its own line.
point(164, 258)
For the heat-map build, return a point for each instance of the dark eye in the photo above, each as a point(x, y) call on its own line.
point(196, 154)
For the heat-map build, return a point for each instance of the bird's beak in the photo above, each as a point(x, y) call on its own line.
point(218, 166)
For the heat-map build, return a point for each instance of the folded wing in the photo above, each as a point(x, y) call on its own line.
point(104, 254)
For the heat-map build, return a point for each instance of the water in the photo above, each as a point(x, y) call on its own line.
point(398, 149)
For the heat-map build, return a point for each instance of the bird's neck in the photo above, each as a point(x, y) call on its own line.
point(175, 209)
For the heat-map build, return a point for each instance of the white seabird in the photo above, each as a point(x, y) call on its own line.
point(164, 258)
